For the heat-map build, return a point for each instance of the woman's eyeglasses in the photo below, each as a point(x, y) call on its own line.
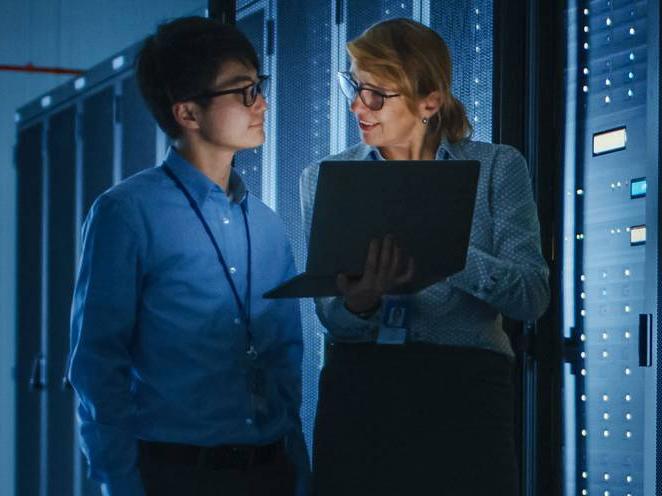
point(249, 92)
point(373, 99)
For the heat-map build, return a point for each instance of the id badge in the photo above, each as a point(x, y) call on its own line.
point(393, 328)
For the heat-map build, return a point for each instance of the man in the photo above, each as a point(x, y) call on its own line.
point(189, 381)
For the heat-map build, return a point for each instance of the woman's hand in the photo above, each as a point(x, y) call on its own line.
point(383, 271)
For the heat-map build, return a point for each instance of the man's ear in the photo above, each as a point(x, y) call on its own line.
point(186, 115)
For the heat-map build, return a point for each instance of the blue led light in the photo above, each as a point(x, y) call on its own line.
point(638, 187)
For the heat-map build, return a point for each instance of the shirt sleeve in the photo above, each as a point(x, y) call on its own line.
point(102, 323)
point(339, 322)
point(513, 276)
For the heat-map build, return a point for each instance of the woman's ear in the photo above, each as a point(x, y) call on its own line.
point(186, 115)
point(430, 104)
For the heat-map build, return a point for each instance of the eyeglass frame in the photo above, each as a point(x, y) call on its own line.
point(259, 91)
point(358, 88)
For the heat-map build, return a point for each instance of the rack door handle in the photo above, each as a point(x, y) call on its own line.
point(645, 340)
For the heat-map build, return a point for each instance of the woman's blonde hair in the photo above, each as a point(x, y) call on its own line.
point(415, 59)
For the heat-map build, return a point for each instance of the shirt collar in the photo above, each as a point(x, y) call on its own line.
point(199, 185)
point(446, 150)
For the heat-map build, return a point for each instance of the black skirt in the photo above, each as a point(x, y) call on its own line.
point(414, 420)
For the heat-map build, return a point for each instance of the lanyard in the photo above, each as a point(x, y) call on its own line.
point(244, 309)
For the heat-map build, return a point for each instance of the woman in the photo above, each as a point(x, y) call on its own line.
point(433, 415)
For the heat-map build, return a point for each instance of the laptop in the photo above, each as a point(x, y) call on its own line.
point(426, 205)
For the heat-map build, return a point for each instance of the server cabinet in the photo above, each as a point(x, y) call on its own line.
point(28, 371)
point(611, 232)
point(59, 272)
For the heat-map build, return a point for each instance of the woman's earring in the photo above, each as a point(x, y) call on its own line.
point(425, 121)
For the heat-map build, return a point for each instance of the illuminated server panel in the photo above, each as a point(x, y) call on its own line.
point(610, 247)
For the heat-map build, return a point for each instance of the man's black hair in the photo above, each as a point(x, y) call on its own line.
point(181, 61)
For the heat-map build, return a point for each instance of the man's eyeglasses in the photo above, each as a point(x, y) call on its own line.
point(249, 92)
point(373, 99)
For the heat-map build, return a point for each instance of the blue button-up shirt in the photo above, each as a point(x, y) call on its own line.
point(505, 272)
point(158, 343)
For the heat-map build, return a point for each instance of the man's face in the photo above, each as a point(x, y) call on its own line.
point(226, 122)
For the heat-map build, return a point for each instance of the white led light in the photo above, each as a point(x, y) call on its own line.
point(605, 416)
point(118, 62)
point(580, 236)
point(605, 354)
point(582, 337)
point(605, 433)
point(607, 99)
point(627, 272)
point(605, 476)
point(476, 103)
point(582, 295)
point(583, 354)
point(627, 335)
point(582, 312)
point(608, 21)
point(584, 492)
point(583, 372)
point(584, 475)
point(477, 11)
point(79, 83)
point(631, 31)
point(586, 29)
point(584, 433)
point(477, 49)
point(582, 277)
point(585, 46)
point(627, 309)
point(585, 71)
point(631, 75)
point(606, 493)
point(628, 478)
point(628, 434)
point(476, 80)
point(605, 397)
point(46, 101)
point(585, 11)
point(583, 397)
point(477, 27)
point(628, 397)
point(604, 292)
point(605, 336)
point(585, 89)
point(627, 371)
point(631, 56)
point(630, 93)
point(604, 275)
point(607, 82)
point(612, 231)
point(628, 416)
point(580, 191)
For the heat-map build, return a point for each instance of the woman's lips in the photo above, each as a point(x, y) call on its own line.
point(366, 126)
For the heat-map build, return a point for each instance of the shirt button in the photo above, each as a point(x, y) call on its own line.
point(237, 321)
point(226, 220)
point(233, 270)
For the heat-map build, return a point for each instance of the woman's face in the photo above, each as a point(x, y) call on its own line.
point(394, 125)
